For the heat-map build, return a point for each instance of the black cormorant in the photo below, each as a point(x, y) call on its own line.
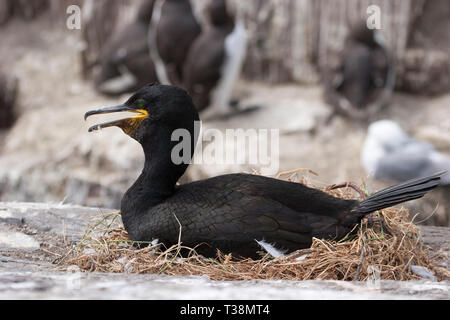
point(363, 79)
point(174, 29)
point(214, 61)
point(227, 212)
point(125, 63)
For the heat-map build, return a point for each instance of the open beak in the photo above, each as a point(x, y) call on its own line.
point(128, 125)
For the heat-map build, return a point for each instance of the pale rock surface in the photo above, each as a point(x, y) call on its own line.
point(25, 276)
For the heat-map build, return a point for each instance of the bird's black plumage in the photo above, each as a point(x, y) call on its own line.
point(206, 58)
point(176, 30)
point(363, 76)
point(228, 212)
point(128, 52)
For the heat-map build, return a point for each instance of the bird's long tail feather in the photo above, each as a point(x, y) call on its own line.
point(409, 190)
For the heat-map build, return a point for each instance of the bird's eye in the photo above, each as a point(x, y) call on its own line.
point(141, 104)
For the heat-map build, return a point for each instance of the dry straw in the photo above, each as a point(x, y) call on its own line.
point(384, 246)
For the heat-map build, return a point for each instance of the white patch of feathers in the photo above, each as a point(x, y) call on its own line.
point(270, 249)
point(380, 134)
point(387, 134)
point(161, 71)
point(235, 50)
point(123, 82)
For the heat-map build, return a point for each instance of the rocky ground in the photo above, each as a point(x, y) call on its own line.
point(34, 237)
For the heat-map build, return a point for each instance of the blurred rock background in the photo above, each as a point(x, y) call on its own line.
point(47, 155)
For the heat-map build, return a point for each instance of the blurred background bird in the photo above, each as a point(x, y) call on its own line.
point(215, 60)
point(126, 64)
point(389, 153)
point(357, 86)
point(175, 27)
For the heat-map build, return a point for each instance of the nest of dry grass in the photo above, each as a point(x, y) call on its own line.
point(386, 245)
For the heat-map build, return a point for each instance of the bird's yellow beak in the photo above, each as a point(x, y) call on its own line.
point(128, 125)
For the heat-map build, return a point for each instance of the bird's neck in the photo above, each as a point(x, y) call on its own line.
point(225, 22)
point(158, 178)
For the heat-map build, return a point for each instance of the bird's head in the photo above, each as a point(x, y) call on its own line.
point(387, 134)
point(157, 108)
point(218, 13)
point(360, 32)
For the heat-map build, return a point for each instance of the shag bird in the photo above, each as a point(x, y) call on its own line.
point(389, 153)
point(363, 79)
point(227, 212)
point(215, 61)
point(174, 29)
point(125, 64)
